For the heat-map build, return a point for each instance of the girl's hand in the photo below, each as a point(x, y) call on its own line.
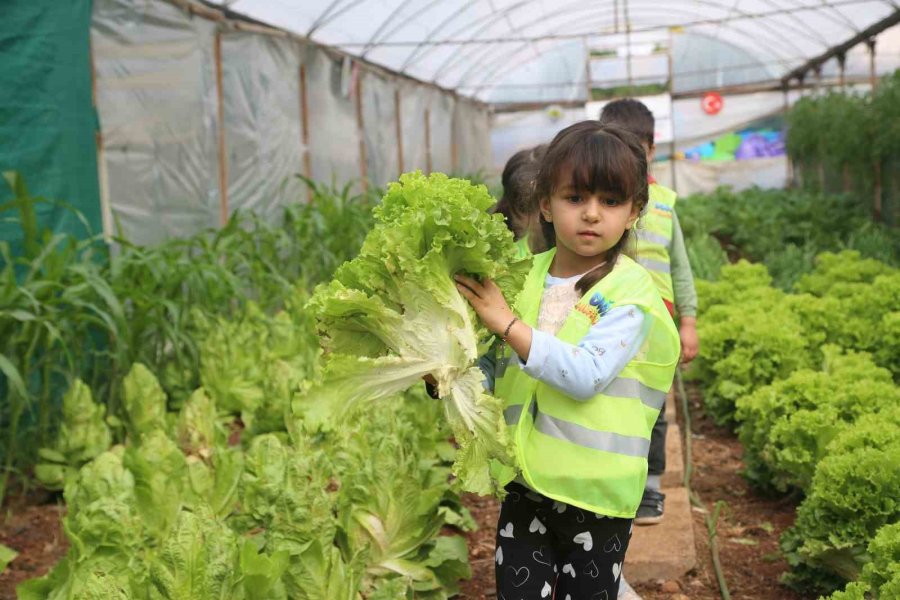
point(690, 343)
point(488, 301)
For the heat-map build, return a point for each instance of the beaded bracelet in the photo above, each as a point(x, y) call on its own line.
point(508, 327)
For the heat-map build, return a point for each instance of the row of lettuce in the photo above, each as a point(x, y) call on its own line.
point(285, 472)
point(808, 378)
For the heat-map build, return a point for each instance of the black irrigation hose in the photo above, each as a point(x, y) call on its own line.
point(711, 521)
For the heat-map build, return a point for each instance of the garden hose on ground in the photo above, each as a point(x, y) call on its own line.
point(711, 520)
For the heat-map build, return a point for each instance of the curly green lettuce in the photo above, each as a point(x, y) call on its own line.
point(393, 315)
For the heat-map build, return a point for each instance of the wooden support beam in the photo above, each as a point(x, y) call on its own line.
point(220, 125)
point(304, 130)
point(863, 36)
point(399, 123)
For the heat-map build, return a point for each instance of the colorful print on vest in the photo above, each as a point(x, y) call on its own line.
point(593, 453)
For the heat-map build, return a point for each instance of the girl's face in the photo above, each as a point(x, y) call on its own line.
point(587, 224)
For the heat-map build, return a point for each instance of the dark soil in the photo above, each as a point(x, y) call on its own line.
point(32, 526)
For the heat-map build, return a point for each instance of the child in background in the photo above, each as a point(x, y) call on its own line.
point(583, 374)
point(518, 205)
point(660, 249)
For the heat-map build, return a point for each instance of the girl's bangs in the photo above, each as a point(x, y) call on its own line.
point(600, 164)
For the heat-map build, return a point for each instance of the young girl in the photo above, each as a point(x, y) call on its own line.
point(594, 354)
point(518, 205)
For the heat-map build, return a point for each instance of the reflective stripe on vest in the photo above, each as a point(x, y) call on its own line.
point(652, 238)
point(621, 387)
point(655, 265)
point(573, 433)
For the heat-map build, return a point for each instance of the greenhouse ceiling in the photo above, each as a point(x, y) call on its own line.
point(481, 47)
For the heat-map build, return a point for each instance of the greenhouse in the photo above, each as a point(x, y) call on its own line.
point(427, 299)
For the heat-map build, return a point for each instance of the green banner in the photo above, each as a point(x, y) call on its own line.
point(47, 117)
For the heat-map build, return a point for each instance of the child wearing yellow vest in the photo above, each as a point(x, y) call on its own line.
point(660, 249)
point(590, 352)
point(517, 205)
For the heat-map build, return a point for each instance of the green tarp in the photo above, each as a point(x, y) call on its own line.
point(47, 119)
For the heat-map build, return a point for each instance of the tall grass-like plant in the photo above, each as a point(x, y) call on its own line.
point(68, 311)
point(59, 320)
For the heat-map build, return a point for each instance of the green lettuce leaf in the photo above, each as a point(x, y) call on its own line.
point(393, 315)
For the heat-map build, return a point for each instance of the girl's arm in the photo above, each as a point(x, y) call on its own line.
point(579, 371)
point(584, 370)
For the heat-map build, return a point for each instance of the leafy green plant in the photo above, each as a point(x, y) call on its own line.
point(379, 314)
point(850, 499)
point(786, 427)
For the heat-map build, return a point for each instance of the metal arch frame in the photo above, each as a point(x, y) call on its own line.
point(477, 63)
point(778, 37)
point(419, 50)
point(322, 18)
point(490, 73)
point(371, 44)
point(832, 9)
point(786, 62)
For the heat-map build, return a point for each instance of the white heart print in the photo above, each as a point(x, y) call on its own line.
point(538, 556)
point(546, 590)
point(616, 570)
point(569, 569)
point(507, 531)
point(559, 507)
point(585, 539)
point(498, 556)
point(537, 526)
point(592, 570)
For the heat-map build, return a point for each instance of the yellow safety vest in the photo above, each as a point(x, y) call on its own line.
point(654, 237)
point(522, 246)
point(591, 454)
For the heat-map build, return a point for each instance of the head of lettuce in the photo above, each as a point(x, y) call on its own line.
point(393, 315)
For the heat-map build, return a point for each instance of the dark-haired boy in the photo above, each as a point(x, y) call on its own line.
point(660, 249)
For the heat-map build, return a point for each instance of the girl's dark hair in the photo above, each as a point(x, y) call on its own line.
point(594, 158)
point(519, 179)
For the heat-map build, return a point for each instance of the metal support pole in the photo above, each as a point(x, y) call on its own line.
point(428, 163)
point(873, 77)
point(399, 123)
point(361, 127)
point(789, 165)
point(842, 70)
point(628, 45)
point(672, 161)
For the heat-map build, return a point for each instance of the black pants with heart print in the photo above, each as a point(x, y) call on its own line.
point(546, 547)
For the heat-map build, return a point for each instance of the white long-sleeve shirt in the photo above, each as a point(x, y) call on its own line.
point(580, 370)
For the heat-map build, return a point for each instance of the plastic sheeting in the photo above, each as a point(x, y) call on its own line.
point(380, 127)
point(334, 134)
point(441, 118)
point(156, 97)
point(473, 130)
point(414, 104)
point(703, 177)
point(263, 131)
